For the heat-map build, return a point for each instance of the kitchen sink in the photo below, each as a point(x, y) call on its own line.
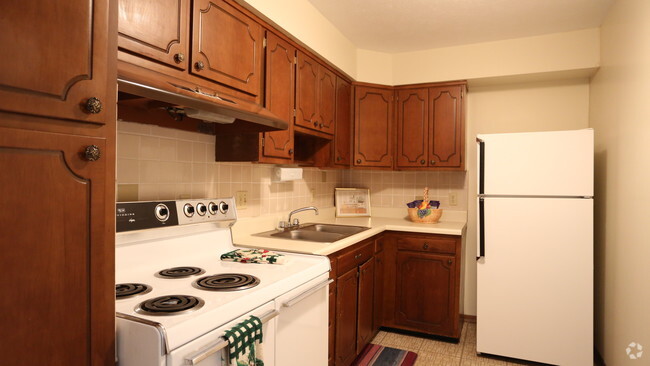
point(322, 233)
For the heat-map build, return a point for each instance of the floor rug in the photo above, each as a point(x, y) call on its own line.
point(376, 355)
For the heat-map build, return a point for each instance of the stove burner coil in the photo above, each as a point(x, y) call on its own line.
point(126, 290)
point(169, 305)
point(226, 282)
point(180, 272)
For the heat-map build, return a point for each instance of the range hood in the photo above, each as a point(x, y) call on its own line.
point(178, 97)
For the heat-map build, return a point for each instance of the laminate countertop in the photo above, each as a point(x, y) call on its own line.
point(451, 223)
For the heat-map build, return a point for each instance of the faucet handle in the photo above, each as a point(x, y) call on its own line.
point(283, 225)
point(296, 222)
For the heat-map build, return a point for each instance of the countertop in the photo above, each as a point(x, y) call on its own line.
point(451, 223)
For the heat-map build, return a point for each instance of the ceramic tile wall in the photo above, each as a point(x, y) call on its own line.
point(395, 189)
point(155, 163)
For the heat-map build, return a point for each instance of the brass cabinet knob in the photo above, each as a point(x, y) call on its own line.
point(179, 57)
point(290, 151)
point(449, 261)
point(432, 162)
point(92, 153)
point(199, 65)
point(93, 105)
point(315, 123)
point(320, 125)
point(423, 161)
point(358, 161)
point(338, 158)
point(425, 246)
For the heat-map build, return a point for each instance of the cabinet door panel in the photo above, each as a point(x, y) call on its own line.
point(306, 91)
point(326, 100)
point(343, 135)
point(280, 91)
point(156, 29)
point(425, 291)
point(346, 317)
point(228, 45)
point(373, 131)
point(412, 128)
point(446, 134)
point(57, 292)
point(379, 292)
point(55, 58)
point(366, 297)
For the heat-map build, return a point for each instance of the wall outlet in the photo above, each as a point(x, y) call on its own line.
point(241, 201)
point(453, 199)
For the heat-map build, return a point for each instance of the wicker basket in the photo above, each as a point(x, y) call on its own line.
point(432, 216)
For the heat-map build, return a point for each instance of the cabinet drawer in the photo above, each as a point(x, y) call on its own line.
point(354, 258)
point(432, 245)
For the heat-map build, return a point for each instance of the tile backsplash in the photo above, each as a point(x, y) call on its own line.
point(156, 163)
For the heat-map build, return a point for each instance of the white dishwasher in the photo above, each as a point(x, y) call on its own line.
point(301, 326)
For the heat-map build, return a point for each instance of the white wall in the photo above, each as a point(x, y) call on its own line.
point(620, 116)
point(538, 106)
point(303, 21)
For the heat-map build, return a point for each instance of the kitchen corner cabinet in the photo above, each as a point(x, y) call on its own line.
point(315, 95)
point(427, 284)
point(227, 46)
point(167, 42)
point(373, 127)
point(430, 127)
point(353, 324)
point(55, 62)
point(342, 142)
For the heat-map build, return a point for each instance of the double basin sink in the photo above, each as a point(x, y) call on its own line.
point(322, 233)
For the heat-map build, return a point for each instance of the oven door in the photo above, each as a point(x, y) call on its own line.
point(302, 325)
point(210, 348)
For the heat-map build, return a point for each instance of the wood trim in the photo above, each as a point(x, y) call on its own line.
point(598, 359)
point(307, 131)
point(468, 318)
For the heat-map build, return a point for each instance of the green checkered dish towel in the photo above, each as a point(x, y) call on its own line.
point(254, 256)
point(244, 343)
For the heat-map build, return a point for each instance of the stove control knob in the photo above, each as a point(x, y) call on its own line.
point(162, 212)
point(201, 209)
point(213, 208)
point(188, 210)
point(223, 207)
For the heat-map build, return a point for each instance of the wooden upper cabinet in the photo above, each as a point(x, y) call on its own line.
point(306, 91)
point(343, 135)
point(373, 127)
point(155, 29)
point(280, 92)
point(315, 95)
point(227, 46)
point(412, 128)
point(326, 100)
point(446, 125)
point(60, 231)
point(56, 59)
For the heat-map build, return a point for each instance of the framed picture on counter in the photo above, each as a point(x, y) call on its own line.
point(352, 202)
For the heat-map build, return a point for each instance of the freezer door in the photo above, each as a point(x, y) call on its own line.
point(535, 280)
point(559, 163)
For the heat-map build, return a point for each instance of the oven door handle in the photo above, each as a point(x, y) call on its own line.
point(300, 297)
point(222, 343)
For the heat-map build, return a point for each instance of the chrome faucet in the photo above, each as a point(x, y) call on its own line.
point(296, 222)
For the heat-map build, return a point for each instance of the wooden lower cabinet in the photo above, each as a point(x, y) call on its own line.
point(365, 304)
point(347, 287)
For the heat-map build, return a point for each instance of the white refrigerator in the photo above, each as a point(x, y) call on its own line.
point(535, 246)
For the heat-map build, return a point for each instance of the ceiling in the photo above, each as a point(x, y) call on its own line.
point(408, 25)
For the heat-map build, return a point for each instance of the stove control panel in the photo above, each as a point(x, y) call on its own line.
point(153, 214)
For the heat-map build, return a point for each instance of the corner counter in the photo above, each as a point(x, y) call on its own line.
point(382, 219)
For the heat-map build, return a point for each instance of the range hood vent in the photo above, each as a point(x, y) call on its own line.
point(199, 103)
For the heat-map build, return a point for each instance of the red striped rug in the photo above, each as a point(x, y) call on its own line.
point(374, 354)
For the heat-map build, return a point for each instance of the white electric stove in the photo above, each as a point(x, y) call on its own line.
point(175, 297)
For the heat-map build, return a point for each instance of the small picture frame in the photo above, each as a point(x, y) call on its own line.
point(352, 202)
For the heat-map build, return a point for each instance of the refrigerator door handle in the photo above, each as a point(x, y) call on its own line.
point(481, 228)
point(481, 165)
